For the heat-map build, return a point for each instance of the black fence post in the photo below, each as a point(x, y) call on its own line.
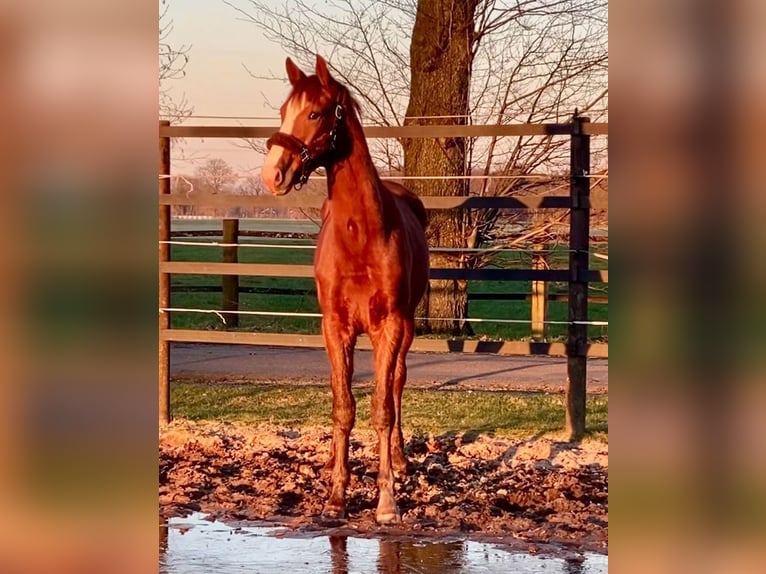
point(579, 231)
point(230, 283)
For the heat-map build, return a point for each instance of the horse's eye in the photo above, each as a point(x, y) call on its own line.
point(314, 115)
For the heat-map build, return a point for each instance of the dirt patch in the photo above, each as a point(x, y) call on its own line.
point(537, 491)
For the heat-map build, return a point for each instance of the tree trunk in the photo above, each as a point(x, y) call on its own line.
point(440, 61)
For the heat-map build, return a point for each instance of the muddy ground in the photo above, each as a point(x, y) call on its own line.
point(537, 491)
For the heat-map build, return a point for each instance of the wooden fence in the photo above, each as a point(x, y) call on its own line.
point(230, 289)
point(578, 275)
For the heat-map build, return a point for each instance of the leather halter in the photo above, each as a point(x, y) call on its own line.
point(311, 155)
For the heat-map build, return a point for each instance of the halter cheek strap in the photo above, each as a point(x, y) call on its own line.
point(312, 154)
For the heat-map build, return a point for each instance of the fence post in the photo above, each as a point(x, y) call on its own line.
point(579, 222)
point(230, 283)
point(164, 280)
point(539, 296)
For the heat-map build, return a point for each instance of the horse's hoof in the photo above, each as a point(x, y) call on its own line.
point(388, 517)
point(401, 466)
point(333, 512)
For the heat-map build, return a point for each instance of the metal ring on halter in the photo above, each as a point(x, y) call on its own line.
point(302, 178)
point(338, 112)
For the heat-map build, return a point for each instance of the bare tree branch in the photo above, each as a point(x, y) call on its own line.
point(532, 61)
point(172, 66)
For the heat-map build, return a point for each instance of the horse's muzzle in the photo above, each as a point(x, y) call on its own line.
point(278, 171)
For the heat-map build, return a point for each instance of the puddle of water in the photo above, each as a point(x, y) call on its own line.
point(193, 545)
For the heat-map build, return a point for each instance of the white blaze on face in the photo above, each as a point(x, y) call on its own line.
point(270, 168)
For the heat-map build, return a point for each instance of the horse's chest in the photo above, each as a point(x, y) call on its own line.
point(354, 274)
point(358, 292)
point(363, 300)
point(348, 250)
point(356, 284)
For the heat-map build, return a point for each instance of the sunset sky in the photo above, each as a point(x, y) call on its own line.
point(230, 63)
point(217, 83)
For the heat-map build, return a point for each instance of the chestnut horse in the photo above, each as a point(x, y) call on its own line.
point(371, 265)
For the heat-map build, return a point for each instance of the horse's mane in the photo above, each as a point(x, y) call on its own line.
point(314, 90)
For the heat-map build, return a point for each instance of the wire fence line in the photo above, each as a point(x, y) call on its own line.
point(532, 177)
point(278, 119)
point(405, 117)
point(308, 315)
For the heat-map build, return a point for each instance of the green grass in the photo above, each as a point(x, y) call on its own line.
point(557, 311)
point(307, 303)
point(501, 414)
point(248, 302)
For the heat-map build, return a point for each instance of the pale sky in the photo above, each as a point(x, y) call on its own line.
point(222, 44)
point(216, 82)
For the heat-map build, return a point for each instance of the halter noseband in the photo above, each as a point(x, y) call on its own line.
point(310, 155)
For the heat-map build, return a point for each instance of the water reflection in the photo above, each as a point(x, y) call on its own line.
point(339, 554)
point(163, 536)
point(193, 545)
point(395, 557)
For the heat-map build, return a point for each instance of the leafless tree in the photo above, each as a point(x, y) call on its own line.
point(215, 176)
point(525, 61)
point(253, 185)
point(532, 60)
point(172, 65)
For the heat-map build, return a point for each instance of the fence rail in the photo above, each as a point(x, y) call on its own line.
point(228, 200)
point(411, 130)
point(290, 270)
point(578, 276)
point(306, 292)
point(596, 350)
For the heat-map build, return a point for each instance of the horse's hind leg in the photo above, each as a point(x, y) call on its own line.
point(340, 350)
point(386, 340)
point(398, 460)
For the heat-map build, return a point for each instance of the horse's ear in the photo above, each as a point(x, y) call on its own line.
point(322, 72)
point(294, 73)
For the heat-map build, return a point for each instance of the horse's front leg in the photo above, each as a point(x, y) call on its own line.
point(386, 340)
point(340, 342)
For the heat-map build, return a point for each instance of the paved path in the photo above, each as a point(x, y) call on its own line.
point(443, 370)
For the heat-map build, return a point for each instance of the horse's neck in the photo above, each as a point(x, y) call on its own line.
point(354, 188)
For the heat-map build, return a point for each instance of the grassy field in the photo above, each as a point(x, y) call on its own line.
point(501, 414)
point(489, 309)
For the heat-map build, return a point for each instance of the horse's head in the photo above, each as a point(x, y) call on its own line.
point(312, 118)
